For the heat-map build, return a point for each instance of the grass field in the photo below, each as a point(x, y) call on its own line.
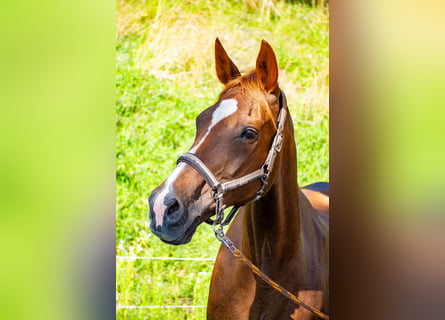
point(165, 77)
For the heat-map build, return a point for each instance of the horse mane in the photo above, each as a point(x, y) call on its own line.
point(250, 85)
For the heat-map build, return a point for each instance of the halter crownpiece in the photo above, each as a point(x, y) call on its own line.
point(219, 187)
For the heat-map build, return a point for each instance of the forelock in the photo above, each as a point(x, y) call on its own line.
point(248, 84)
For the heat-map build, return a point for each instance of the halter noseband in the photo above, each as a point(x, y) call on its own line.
point(219, 187)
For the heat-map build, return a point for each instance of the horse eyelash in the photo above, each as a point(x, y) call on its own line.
point(249, 128)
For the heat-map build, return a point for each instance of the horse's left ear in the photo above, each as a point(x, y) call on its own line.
point(267, 67)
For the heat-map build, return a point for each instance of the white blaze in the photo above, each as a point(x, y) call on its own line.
point(225, 109)
point(159, 206)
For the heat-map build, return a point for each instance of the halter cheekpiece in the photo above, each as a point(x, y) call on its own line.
point(219, 187)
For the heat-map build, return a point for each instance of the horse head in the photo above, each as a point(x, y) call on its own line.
point(233, 138)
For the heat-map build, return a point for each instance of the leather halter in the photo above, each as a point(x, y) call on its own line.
point(219, 188)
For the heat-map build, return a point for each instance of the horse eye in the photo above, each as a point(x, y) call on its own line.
point(249, 134)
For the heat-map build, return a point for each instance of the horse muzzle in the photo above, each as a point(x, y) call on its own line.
point(170, 221)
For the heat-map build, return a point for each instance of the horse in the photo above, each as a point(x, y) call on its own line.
point(245, 146)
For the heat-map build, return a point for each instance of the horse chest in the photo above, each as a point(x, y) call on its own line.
point(269, 306)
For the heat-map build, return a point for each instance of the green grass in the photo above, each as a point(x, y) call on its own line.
point(165, 77)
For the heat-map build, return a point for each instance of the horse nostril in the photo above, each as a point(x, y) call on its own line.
point(173, 208)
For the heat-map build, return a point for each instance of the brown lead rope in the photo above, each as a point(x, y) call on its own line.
point(238, 254)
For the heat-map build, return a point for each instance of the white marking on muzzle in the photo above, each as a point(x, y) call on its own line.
point(226, 108)
point(159, 207)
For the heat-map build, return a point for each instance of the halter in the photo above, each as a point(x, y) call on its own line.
point(219, 187)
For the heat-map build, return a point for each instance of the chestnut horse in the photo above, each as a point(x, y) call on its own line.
point(277, 228)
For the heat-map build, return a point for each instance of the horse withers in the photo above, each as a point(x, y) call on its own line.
point(245, 154)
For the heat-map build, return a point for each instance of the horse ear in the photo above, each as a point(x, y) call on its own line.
point(226, 70)
point(267, 67)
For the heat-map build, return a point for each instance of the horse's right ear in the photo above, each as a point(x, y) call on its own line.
point(267, 67)
point(226, 70)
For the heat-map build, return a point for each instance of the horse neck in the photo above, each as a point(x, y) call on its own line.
point(272, 224)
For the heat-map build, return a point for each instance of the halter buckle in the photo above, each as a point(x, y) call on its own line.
point(278, 143)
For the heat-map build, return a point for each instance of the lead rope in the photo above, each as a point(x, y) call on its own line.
point(219, 233)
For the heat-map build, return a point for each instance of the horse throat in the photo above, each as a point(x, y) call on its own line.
point(272, 225)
